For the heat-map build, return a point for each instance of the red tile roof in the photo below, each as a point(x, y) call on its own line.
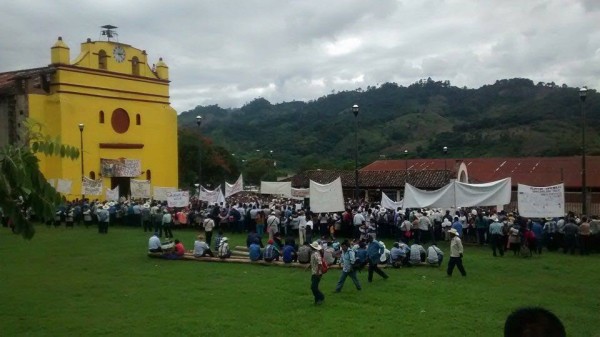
point(8, 79)
point(534, 171)
point(424, 179)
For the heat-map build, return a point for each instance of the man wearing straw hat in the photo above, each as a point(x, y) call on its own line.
point(317, 272)
point(456, 253)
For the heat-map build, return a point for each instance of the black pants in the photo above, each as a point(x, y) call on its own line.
point(456, 261)
point(497, 242)
point(374, 268)
point(314, 286)
point(208, 237)
point(103, 227)
point(167, 228)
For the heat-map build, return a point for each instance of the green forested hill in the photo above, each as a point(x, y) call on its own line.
point(514, 117)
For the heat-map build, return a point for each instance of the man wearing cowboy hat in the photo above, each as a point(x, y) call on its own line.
point(496, 236)
point(103, 219)
point(456, 254)
point(317, 272)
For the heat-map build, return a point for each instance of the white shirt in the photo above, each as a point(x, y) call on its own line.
point(154, 242)
point(432, 254)
point(200, 247)
point(358, 219)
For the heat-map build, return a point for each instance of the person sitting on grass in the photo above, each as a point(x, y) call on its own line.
point(417, 254)
point(154, 244)
point(218, 240)
point(176, 252)
point(253, 237)
point(304, 253)
point(254, 252)
point(224, 251)
point(271, 252)
point(435, 256)
point(398, 255)
point(201, 248)
point(289, 254)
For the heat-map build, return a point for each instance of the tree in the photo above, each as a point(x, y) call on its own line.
point(24, 191)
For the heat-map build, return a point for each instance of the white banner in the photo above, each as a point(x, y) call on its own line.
point(416, 198)
point(327, 198)
point(487, 194)
point(92, 187)
point(541, 202)
point(457, 194)
point(63, 186)
point(178, 199)
point(160, 193)
point(389, 203)
point(112, 195)
point(237, 187)
point(273, 187)
point(300, 193)
point(140, 189)
point(209, 196)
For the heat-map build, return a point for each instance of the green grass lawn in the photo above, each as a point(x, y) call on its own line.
point(79, 283)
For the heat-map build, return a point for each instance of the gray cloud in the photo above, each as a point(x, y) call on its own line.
point(230, 52)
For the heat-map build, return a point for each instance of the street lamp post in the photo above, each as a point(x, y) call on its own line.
point(582, 95)
point(355, 110)
point(406, 166)
point(445, 149)
point(199, 123)
point(81, 126)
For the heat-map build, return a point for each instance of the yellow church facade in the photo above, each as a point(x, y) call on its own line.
point(114, 104)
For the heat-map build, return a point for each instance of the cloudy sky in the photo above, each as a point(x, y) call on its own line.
point(229, 52)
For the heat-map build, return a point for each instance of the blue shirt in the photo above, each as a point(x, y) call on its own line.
point(347, 260)
point(374, 251)
point(458, 226)
point(288, 254)
point(254, 252)
point(361, 255)
point(536, 227)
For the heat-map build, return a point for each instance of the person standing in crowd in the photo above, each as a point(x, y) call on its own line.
point(146, 218)
point(496, 236)
point(570, 236)
point(374, 251)
point(167, 223)
point(358, 221)
point(309, 226)
point(208, 225)
point(456, 254)
point(316, 272)
point(347, 261)
point(103, 219)
point(584, 236)
point(272, 225)
point(260, 223)
point(301, 228)
point(458, 227)
point(156, 218)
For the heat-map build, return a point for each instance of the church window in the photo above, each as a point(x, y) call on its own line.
point(102, 59)
point(135, 66)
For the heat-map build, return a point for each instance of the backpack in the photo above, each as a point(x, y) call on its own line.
point(269, 253)
point(324, 266)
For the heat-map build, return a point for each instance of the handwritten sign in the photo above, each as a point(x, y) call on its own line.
point(91, 187)
point(539, 202)
point(140, 188)
point(120, 167)
point(178, 199)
